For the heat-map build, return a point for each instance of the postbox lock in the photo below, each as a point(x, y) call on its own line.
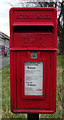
point(20, 80)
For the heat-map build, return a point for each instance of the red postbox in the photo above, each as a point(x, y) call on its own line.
point(33, 48)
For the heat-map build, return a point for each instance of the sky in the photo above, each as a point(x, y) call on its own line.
point(5, 6)
point(4, 16)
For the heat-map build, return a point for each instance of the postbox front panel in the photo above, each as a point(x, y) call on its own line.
point(29, 92)
point(33, 60)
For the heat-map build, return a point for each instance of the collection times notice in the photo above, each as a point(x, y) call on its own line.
point(33, 78)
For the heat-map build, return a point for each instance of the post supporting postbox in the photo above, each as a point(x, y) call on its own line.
point(34, 116)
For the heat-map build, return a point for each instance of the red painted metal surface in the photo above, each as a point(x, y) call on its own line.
point(33, 29)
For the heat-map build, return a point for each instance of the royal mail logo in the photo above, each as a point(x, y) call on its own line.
point(34, 17)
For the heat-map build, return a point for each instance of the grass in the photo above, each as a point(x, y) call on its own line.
point(6, 113)
point(0, 93)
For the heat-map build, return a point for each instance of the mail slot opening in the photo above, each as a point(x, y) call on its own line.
point(33, 28)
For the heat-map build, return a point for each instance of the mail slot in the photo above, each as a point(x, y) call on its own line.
point(33, 48)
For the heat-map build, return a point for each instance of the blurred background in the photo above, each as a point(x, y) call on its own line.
point(5, 6)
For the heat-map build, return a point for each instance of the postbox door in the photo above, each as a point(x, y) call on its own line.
point(36, 99)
